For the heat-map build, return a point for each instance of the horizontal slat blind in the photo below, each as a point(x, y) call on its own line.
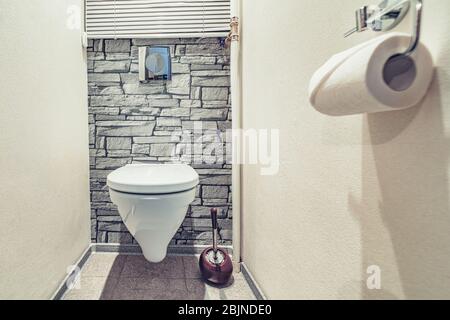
point(157, 18)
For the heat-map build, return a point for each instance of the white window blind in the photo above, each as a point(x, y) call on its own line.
point(157, 18)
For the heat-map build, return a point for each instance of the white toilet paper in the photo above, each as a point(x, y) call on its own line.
point(359, 80)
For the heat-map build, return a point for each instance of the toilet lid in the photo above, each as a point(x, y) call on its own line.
point(153, 178)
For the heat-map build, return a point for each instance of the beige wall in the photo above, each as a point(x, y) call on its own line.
point(44, 195)
point(352, 191)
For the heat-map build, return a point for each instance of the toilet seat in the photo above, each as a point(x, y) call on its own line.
point(154, 179)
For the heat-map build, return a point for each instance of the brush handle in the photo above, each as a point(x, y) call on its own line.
point(214, 226)
point(214, 218)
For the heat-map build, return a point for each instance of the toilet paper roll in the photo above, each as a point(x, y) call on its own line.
point(366, 79)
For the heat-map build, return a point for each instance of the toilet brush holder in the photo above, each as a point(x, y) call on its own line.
point(215, 263)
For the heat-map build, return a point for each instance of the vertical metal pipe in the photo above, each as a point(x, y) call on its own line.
point(237, 125)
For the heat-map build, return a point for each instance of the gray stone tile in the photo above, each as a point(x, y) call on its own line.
point(117, 45)
point(104, 78)
point(180, 84)
point(111, 66)
point(206, 81)
point(214, 94)
point(117, 143)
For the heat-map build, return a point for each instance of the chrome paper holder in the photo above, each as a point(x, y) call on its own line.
point(388, 15)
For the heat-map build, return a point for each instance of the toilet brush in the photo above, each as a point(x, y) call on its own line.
point(215, 263)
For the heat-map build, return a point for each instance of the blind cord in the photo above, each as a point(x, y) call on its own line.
point(115, 20)
point(204, 18)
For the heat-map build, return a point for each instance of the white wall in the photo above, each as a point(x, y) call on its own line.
point(352, 191)
point(44, 192)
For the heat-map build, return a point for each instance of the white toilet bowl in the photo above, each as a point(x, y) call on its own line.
point(152, 200)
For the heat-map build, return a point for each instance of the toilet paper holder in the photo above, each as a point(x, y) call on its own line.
point(386, 16)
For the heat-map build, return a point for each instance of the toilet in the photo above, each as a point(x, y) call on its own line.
point(152, 200)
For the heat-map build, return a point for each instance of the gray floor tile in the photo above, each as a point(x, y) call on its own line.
point(238, 289)
point(121, 277)
point(92, 288)
point(191, 269)
point(103, 265)
point(82, 295)
point(163, 295)
point(127, 295)
point(138, 267)
point(155, 284)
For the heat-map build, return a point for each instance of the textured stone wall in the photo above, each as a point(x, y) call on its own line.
point(133, 122)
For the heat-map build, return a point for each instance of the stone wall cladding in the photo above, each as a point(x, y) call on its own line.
point(133, 122)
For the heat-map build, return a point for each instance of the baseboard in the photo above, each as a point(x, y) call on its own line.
point(59, 293)
point(252, 282)
point(135, 249)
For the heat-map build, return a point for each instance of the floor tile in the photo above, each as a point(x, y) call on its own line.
point(103, 265)
point(148, 295)
point(138, 267)
point(93, 288)
point(155, 284)
point(238, 289)
point(82, 295)
point(164, 295)
point(121, 277)
point(127, 295)
point(191, 268)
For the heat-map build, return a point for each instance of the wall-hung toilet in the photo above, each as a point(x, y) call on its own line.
point(152, 200)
